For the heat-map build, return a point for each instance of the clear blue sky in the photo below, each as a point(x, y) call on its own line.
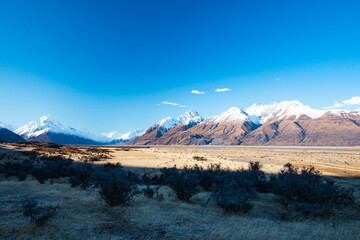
point(109, 65)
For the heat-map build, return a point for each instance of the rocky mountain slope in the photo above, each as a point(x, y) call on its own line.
point(8, 136)
point(286, 123)
point(186, 121)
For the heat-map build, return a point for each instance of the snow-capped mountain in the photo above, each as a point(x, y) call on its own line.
point(45, 129)
point(282, 110)
point(343, 113)
point(114, 135)
point(132, 134)
point(283, 123)
point(7, 126)
point(295, 110)
point(187, 120)
point(189, 117)
point(232, 115)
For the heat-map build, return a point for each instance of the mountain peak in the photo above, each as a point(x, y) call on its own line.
point(7, 126)
point(188, 117)
point(233, 114)
point(283, 110)
point(44, 118)
point(191, 113)
point(44, 125)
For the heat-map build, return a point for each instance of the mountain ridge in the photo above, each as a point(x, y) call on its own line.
point(283, 123)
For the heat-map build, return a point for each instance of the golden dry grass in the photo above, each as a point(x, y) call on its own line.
point(332, 162)
point(82, 215)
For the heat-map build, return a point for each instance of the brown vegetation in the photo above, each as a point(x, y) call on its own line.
point(193, 203)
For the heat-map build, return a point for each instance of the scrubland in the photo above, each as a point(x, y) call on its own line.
point(144, 197)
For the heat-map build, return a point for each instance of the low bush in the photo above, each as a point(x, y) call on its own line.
point(184, 184)
point(111, 166)
point(307, 192)
point(233, 199)
point(18, 169)
point(41, 174)
point(2, 156)
point(200, 158)
point(149, 192)
point(36, 213)
point(153, 180)
point(233, 191)
point(51, 168)
point(115, 186)
point(207, 175)
point(81, 176)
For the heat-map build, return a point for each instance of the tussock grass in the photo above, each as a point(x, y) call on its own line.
point(81, 214)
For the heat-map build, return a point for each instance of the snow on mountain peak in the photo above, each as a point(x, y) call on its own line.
point(233, 114)
point(110, 135)
point(191, 116)
point(45, 124)
point(282, 110)
point(38, 127)
point(188, 117)
point(44, 118)
point(131, 134)
point(168, 123)
point(7, 126)
point(115, 135)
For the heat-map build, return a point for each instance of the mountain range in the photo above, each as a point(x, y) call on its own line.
point(286, 123)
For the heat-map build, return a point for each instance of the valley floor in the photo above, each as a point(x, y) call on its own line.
point(82, 215)
point(342, 162)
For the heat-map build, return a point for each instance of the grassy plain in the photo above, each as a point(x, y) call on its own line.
point(82, 215)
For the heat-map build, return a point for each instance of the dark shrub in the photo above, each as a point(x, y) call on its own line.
point(53, 167)
point(36, 213)
point(18, 169)
point(199, 158)
point(232, 199)
point(207, 175)
point(59, 166)
point(81, 176)
point(111, 166)
point(30, 208)
point(183, 183)
point(153, 180)
point(41, 174)
point(22, 175)
point(2, 156)
point(307, 192)
point(31, 154)
point(149, 192)
point(233, 191)
point(258, 176)
point(47, 213)
point(115, 187)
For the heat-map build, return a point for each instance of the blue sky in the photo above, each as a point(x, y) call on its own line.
point(110, 65)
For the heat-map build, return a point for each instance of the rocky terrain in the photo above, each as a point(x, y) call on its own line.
point(288, 123)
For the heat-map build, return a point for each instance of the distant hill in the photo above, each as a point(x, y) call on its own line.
point(8, 136)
